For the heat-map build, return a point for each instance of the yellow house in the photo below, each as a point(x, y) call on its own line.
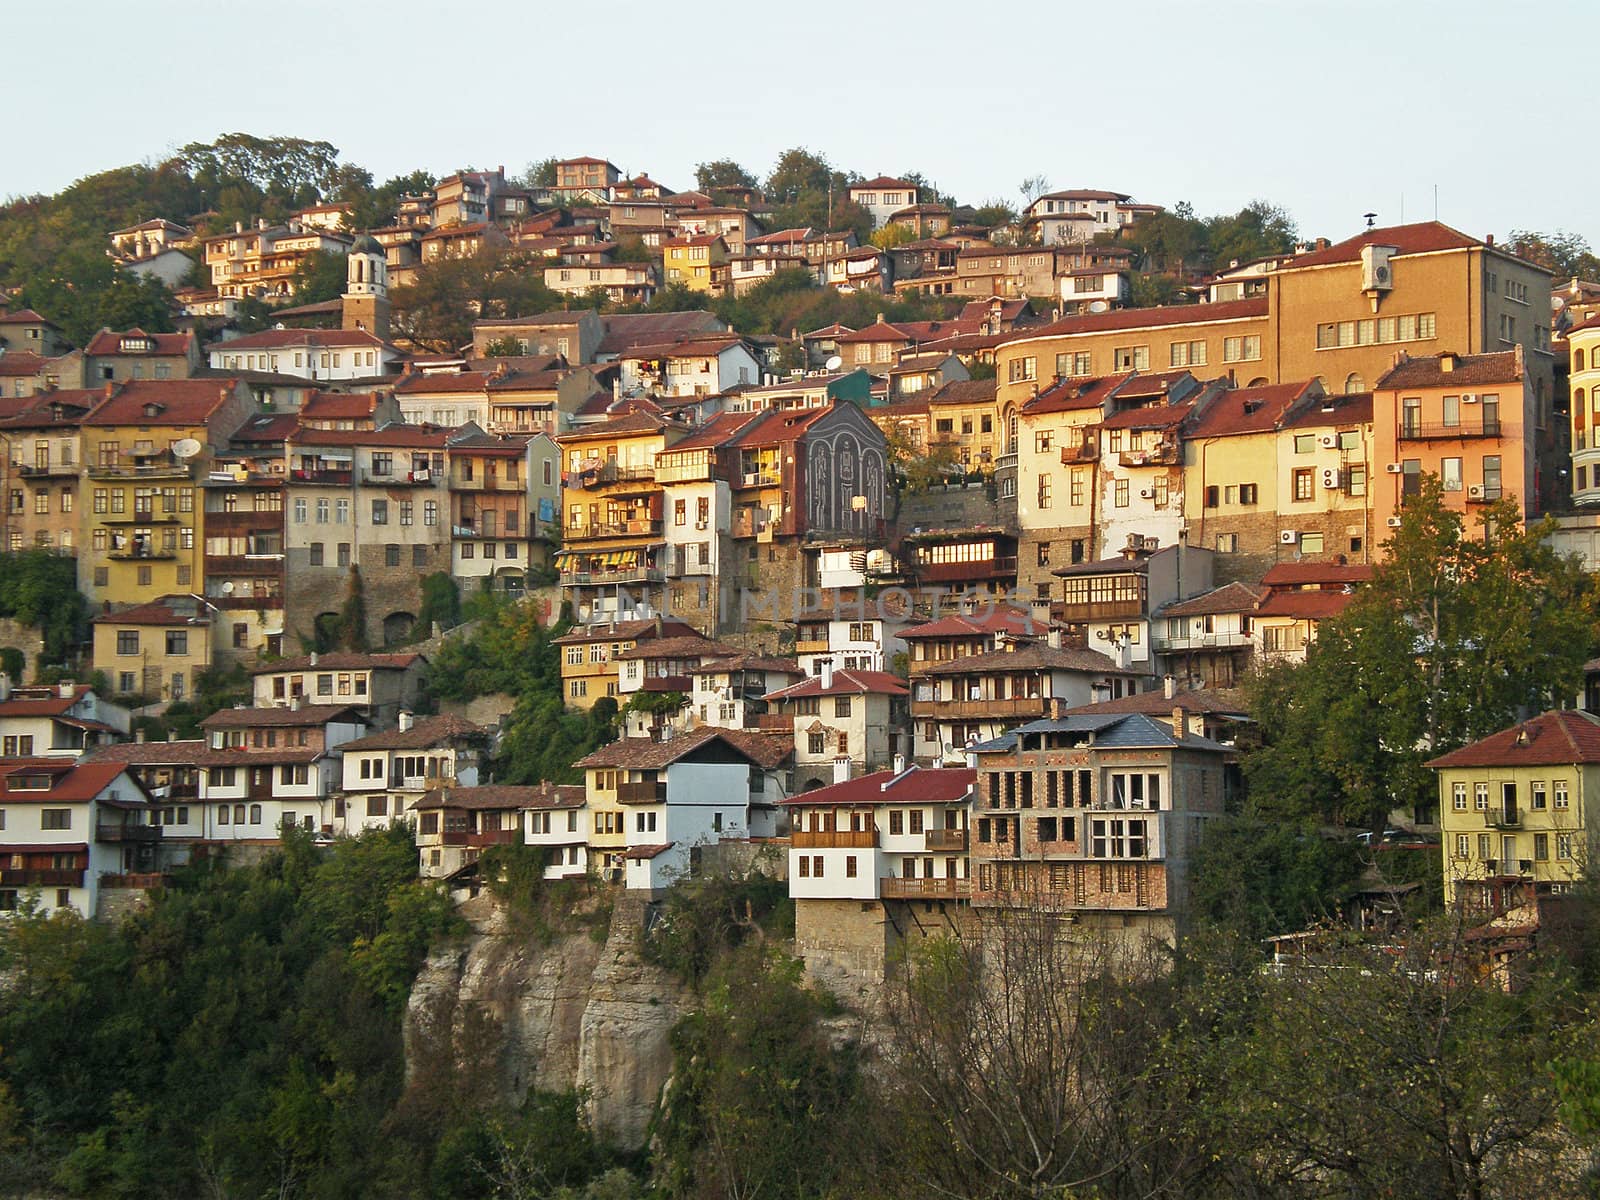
point(700, 263)
point(146, 446)
point(1519, 807)
point(154, 650)
point(1338, 314)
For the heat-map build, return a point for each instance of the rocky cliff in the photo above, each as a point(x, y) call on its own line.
point(519, 1012)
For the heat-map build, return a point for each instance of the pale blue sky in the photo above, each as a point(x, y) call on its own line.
point(1330, 109)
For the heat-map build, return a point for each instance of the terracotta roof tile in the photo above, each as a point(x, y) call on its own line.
point(1468, 370)
point(845, 683)
point(430, 731)
point(919, 785)
point(1229, 598)
point(1420, 238)
point(1550, 739)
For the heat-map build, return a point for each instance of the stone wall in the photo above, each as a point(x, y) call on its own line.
point(26, 639)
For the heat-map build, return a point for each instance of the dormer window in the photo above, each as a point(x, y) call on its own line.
point(154, 410)
point(136, 345)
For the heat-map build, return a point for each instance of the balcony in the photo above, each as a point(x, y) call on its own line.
point(695, 472)
point(747, 524)
point(1017, 706)
point(143, 517)
point(1417, 432)
point(780, 722)
point(244, 564)
point(1479, 494)
point(610, 529)
point(243, 522)
point(1502, 818)
point(169, 469)
point(834, 839)
point(127, 833)
point(947, 839)
point(649, 792)
point(759, 479)
point(49, 471)
point(322, 478)
point(42, 877)
point(143, 555)
point(398, 479)
point(481, 839)
point(891, 888)
point(623, 575)
point(1084, 452)
point(1164, 455)
point(667, 683)
point(1103, 610)
point(962, 572)
point(1231, 640)
point(610, 473)
point(811, 646)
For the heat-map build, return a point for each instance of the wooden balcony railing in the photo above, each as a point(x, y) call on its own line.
point(834, 839)
point(892, 888)
point(947, 839)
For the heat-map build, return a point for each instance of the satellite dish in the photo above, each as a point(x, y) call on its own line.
point(227, 588)
point(1099, 306)
point(834, 363)
point(185, 448)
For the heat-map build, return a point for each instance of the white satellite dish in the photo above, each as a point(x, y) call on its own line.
point(834, 363)
point(185, 448)
point(1099, 306)
point(227, 588)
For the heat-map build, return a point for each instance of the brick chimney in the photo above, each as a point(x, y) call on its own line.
point(1179, 722)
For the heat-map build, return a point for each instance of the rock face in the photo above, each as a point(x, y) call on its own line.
point(519, 1013)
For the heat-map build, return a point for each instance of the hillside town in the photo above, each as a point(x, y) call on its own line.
point(939, 615)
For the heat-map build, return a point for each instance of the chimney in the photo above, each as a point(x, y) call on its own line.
point(899, 764)
point(296, 702)
point(172, 735)
point(841, 769)
point(1055, 708)
point(1169, 685)
point(65, 689)
point(404, 720)
point(1053, 638)
point(1179, 722)
point(1489, 240)
point(5, 686)
point(111, 388)
point(313, 658)
point(827, 672)
point(660, 626)
point(138, 737)
point(1447, 362)
point(238, 226)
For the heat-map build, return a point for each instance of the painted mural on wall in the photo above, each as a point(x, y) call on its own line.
point(845, 459)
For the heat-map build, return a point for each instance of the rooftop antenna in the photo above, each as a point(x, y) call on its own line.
point(1372, 219)
point(1436, 202)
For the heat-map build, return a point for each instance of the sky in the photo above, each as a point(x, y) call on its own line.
point(1330, 110)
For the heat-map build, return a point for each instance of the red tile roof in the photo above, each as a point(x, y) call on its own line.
point(845, 683)
point(330, 406)
point(719, 431)
point(882, 181)
point(41, 702)
point(993, 620)
point(1241, 411)
point(1034, 657)
point(1304, 606)
point(918, 785)
point(647, 754)
point(1076, 395)
point(1467, 370)
point(429, 731)
point(21, 363)
point(78, 784)
point(1299, 574)
point(157, 612)
point(1148, 318)
point(26, 316)
point(182, 402)
point(420, 437)
point(1550, 739)
point(310, 714)
point(1421, 238)
point(1229, 598)
point(1225, 701)
point(1354, 408)
point(486, 796)
point(1152, 416)
point(623, 631)
point(107, 344)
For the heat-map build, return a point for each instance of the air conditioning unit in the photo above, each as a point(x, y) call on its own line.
point(701, 524)
point(1288, 537)
point(1394, 522)
point(1332, 477)
point(1329, 441)
point(1475, 492)
point(1146, 493)
point(1469, 397)
point(1395, 468)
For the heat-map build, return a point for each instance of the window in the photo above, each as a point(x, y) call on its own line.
point(406, 511)
point(1356, 481)
point(322, 512)
point(1044, 491)
point(380, 512)
point(1541, 847)
point(316, 554)
point(1310, 543)
point(1227, 543)
point(343, 557)
point(1458, 797)
point(178, 642)
point(55, 818)
point(1450, 474)
point(1560, 791)
point(1247, 493)
point(1042, 440)
point(1023, 369)
point(1304, 483)
point(419, 556)
point(1241, 349)
point(849, 866)
point(1186, 354)
point(300, 512)
point(1480, 798)
point(127, 641)
point(1120, 493)
point(841, 706)
point(1491, 475)
point(1131, 358)
point(391, 555)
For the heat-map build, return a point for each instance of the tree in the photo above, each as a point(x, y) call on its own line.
point(891, 236)
point(319, 277)
point(541, 174)
point(1453, 638)
point(441, 603)
point(1032, 188)
point(1565, 254)
point(379, 206)
point(438, 307)
point(712, 177)
point(1255, 231)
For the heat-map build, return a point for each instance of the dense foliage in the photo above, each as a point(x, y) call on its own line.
point(240, 1037)
point(40, 588)
point(1458, 633)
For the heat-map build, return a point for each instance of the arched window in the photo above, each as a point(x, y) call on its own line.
point(1577, 359)
point(1258, 381)
point(360, 266)
point(1353, 383)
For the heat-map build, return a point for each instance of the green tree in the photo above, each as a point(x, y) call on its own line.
point(441, 603)
point(1454, 636)
point(438, 308)
point(1255, 231)
point(1565, 254)
point(320, 276)
point(541, 174)
point(712, 177)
